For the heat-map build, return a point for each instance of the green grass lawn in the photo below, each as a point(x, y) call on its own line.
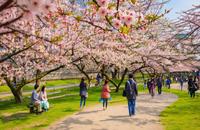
point(52, 83)
point(184, 114)
point(16, 116)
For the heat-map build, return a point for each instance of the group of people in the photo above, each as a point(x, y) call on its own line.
point(105, 94)
point(40, 101)
point(39, 98)
point(151, 85)
point(130, 93)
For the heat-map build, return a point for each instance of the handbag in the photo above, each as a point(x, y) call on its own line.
point(124, 93)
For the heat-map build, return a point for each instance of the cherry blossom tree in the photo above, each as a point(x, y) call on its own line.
point(189, 30)
point(36, 41)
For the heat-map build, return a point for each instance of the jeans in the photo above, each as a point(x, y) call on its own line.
point(105, 102)
point(131, 107)
point(82, 102)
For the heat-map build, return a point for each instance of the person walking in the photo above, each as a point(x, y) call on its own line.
point(159, 85)
point(168, 82)
point(98, 79)
point(148, 85)
point(191, 87)
point(105, 94)
point(145, 84)
point(131, 93)
point(181, 82)
point(83, 93)
point(152, 87)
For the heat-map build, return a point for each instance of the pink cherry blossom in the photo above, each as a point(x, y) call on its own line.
point(117, 23)
point(103, 11)
point(102, 2)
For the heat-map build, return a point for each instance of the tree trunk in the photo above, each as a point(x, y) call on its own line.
point(17, 93)
point(114, 74)
point(18, 96)
point(85, 73)
point(107, 77)
point(122, 79)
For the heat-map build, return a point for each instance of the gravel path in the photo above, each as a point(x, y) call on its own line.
point(116, 116)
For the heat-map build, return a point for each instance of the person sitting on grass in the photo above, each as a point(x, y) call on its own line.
point(43, 99)
point(35, 99)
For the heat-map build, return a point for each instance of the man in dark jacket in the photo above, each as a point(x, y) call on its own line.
point(191, 87)
point(159, 85)
point(131, 93)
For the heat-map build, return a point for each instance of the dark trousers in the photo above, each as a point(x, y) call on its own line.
point(105, 102)
point(192, 93)
point(83, 100)
point(159, 89)
point(168, 86)
point(131, 107)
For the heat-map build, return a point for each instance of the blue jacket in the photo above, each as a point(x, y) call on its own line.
point(83, 89)
point(34, 96)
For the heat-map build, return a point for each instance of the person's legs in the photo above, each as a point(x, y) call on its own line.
point(38, 106)
point(149, 90)
point(129, 107)
point(193, 94)
point(133, 107)
point(84, 101)
point(106, 102)
point(81, 102)
point(181, 86)
point(190, 93)
point(161, 90)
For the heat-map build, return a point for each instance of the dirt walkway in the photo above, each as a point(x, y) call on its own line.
point(116, 117)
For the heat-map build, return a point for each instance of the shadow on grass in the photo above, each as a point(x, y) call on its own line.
point(16, 116)
point(70, 110)
point(40, 126)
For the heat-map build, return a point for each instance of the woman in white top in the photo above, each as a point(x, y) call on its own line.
point(43, 99)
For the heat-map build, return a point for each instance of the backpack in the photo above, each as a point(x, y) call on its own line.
point(131, 94)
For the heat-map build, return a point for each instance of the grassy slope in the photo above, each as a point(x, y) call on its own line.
point(5, 88)
point(184, 114)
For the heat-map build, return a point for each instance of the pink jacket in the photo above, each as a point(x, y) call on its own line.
point(105, 92)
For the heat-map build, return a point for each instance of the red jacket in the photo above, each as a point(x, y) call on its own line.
point(105, 91)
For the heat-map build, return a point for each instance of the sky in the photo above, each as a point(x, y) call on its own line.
point(178, 6)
